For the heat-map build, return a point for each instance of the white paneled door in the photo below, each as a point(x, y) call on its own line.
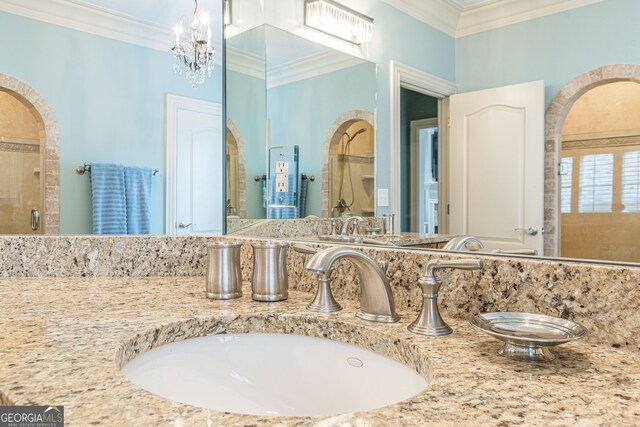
point(195, 184)
point(497, 166)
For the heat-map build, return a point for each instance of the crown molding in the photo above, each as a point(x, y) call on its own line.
point(311, 66)
point(500, 13)
point(300, 69)
point(442, 15)
point(88, 18)
point(456, 21)
point(245, 63)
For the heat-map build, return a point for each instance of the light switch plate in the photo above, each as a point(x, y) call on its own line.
point(383, 197)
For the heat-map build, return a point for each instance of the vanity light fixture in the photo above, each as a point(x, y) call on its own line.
point(227, 12)
point(193, 52)
point(337, 20)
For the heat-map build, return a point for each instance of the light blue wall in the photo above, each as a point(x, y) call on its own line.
point(302, 113)
point(108, 98)
point(246, 107)
point(553, 48)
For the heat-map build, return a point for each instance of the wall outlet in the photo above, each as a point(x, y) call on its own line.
point(383, 197)
point(281, 168)
point(281, 184)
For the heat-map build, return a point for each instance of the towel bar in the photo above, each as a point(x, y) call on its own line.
point(81, 170)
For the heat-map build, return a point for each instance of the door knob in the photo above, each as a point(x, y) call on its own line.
point(35, 219)
point(531, 231)
point(183, 225)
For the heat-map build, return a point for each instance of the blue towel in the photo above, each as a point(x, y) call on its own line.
point(138, 183)
point(109, 207)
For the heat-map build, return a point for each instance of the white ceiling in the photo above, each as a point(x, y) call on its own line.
point(466, 3)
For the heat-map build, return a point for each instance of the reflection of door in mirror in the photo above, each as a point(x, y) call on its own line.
point(351, 169)
point(424, 175)
point(21, 135)
point(194, 164)
point(418, 158)
point(600, 175)
point(232, 174)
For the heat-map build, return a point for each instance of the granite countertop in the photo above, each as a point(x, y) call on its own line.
point(63, 339)
point(413, 239)
point(402, 239)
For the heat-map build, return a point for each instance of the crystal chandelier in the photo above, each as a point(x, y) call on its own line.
point(193, 53)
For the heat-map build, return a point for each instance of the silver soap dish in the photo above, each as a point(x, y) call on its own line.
point(527, 336)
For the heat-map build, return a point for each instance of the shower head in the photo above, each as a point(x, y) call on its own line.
point(352, 137)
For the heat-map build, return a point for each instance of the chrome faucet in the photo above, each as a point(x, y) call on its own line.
point(346, 224)
point(460, 243)
point(376, 297)
point(429, 321)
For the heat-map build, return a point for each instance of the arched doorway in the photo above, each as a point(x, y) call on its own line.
point(43, 138)
point(348, 172)
point(236, 171)
point(556, 115)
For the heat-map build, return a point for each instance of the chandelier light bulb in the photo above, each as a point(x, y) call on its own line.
point(178, 30)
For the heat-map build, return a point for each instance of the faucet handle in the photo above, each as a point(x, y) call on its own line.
point(324, 302)
point(429, 321)
point(460, 264)
point(304, 249)
point(334, 226)
point(357, 222)
point(384, 265)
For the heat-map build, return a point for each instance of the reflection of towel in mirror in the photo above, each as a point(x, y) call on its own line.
point(302, 196)
point(138, 182)
point(108, 193)
point(265, 199)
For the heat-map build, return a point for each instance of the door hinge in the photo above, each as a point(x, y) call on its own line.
point(562, 170)
point(448, 209)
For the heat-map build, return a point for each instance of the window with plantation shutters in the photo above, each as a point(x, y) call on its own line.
point(596, 183)
point(566, 167)
point(631, 181)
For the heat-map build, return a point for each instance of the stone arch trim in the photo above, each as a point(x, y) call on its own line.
point(242, 170)
point(343, 120)
point(51, 153)
point(554, 121)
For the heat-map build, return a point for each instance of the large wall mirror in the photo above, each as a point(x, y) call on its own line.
point(92, 83)
point(285, 91)
point(567, 189)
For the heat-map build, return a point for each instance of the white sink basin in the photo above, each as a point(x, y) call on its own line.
point(273, 374)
